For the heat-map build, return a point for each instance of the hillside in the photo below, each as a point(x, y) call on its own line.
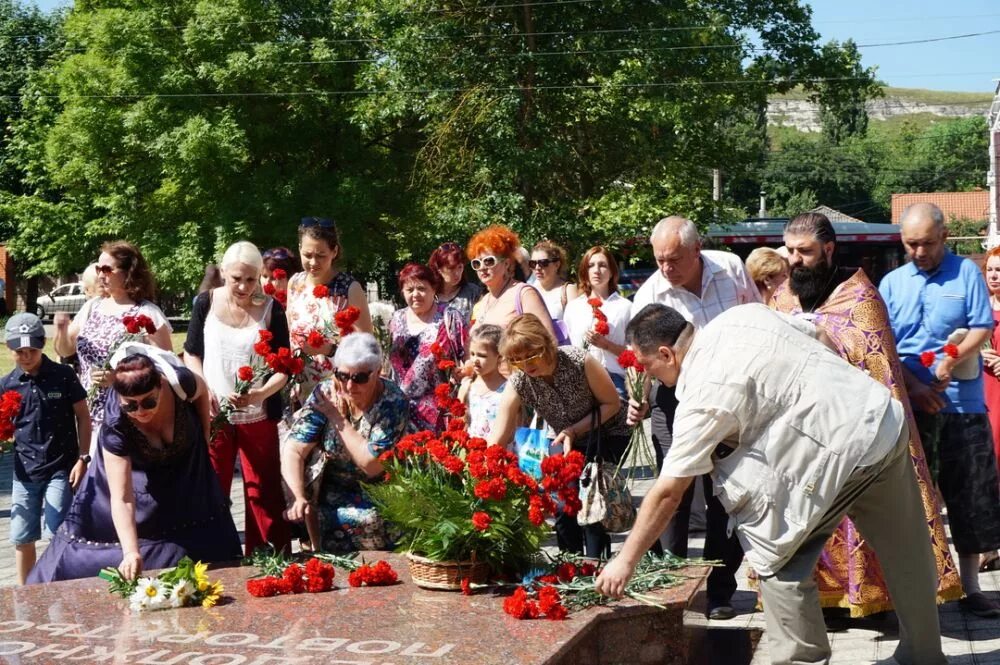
point(794, 109)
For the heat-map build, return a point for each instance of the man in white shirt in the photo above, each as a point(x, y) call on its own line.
point(789, 458)
point(700, 284)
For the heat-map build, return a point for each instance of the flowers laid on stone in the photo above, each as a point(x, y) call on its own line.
point(455, 499)
point(187, 585)
point(567, 585)
point(281, 575)
point(10, 407)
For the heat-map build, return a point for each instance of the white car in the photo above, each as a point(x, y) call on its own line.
point(65, 298)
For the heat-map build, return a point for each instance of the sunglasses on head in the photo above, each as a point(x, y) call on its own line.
point(107, 270)
point(360, 378)
point(322, 222)
point(524, 362)
point(449, 246)
point(541, 263)
point(485, 262)
point(146, 404)
point(279, 254)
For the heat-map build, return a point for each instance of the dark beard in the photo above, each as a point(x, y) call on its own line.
point(812, 285)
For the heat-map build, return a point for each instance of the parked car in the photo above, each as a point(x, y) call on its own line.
point(65, 298)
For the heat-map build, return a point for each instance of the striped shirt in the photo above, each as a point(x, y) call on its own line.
point(725, 283)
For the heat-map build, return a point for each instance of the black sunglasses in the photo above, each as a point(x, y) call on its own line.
point(107, 270)
point(322, 222)
point(146, 403)
point(542, 263)
point(360, 378)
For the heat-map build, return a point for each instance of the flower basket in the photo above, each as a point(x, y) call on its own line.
point(446, 575)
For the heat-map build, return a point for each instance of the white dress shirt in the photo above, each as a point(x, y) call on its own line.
point(579, 318)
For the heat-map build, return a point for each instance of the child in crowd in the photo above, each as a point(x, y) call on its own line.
point(481, 393)
point(51, 438)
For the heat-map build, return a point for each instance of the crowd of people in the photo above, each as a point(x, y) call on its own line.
point(833, 495)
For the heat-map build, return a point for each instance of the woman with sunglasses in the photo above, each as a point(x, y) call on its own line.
point(150, 496)
point(97, 330)
point(598, 274)
point(564, 385)
point(415, 330)
point(319, 249)
point(225, 325)
point(349, 420)
point(549, 265)
point(491, 253)
point(448, 261)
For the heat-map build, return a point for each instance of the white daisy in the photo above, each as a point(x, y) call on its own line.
point(153, 591)
point(181, 594)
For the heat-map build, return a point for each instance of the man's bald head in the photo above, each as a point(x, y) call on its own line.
point(922, 230)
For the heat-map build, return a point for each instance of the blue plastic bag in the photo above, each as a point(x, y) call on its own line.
point(533, 445)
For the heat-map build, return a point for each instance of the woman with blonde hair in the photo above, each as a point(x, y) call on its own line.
point(768, 269)
point(492, 254)
point(551, 269)
point(226, 323)
point(572, 392)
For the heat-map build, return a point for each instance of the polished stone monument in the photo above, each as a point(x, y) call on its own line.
point(79, 621)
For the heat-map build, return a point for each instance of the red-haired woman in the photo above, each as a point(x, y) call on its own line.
point(492, 253)
point(991, 371)
point(424, 334)
point(448, 261)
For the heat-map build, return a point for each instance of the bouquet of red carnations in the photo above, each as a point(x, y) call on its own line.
point(639, 451)
point(10, 407)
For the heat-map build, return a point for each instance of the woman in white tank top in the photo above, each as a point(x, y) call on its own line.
point(225, 325)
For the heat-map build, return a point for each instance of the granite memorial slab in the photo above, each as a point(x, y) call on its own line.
point(79, 621)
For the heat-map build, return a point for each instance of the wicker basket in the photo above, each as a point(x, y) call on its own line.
point(445, 575)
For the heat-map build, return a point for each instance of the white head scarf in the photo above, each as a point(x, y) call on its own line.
point(165, 362)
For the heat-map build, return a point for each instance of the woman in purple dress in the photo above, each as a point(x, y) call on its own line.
point(150, 497)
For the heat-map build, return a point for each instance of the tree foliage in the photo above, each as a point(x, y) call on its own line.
point(186, 124)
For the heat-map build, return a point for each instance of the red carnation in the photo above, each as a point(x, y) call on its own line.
point(145, 323)
point(321, 291)
point(316, 339)
point(262, 348)
point(927, 358)
point(950, 350)
point(466, 587)
point(281, 296)
point(269, 289)
point(556, 612)
point(453, 464)
point(595, 302)
point(245, 373)
point(628, 360)
point(437, 350)
point(279, 274)
point(446, 365)
point(602, 328)
point(346, 318)
point(457, 409)
point(131, 325)
point(481, 520)
point(265, 336)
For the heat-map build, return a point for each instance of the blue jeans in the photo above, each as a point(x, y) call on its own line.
point(33, 501)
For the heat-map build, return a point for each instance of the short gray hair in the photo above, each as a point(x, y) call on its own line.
point(921, 211)
point(685, 228)
point(359, 349)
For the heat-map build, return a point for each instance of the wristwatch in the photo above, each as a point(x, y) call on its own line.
point(85, 459)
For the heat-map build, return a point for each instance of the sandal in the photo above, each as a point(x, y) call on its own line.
point(989, 561)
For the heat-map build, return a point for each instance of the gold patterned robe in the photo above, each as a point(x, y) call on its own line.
point(848, 573)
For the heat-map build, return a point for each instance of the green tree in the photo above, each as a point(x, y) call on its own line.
point(842, 103)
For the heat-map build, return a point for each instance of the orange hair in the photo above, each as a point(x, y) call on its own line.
point(989, 255)
point(497, 240)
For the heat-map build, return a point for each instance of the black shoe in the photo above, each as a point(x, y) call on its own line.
point(721, 613)
point(980, 605)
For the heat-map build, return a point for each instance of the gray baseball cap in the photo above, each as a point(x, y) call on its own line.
point(25, 330)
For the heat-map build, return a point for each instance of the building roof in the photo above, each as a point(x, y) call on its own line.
point(954, 205)
point(835, 215)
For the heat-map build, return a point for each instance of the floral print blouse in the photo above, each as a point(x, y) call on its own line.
point(348, 519)
point(307, 313)
point(414, 365)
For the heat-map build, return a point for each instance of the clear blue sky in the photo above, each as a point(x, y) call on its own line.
point(968, 65)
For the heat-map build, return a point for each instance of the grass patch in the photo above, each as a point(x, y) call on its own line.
point(912, 95)
point(7, 356)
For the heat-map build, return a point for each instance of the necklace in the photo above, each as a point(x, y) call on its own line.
point(496, 298)
point(232, 316)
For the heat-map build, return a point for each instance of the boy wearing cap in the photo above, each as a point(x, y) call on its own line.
point(51, 438)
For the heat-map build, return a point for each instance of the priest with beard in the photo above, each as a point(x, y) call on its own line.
point(848, 307)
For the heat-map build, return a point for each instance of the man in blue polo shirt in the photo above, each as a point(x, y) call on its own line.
point(929, 299)
point(51, 438)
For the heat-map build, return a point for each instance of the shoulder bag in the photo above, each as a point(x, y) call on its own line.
point(604, 495)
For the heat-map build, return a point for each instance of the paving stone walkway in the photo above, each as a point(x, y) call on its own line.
point(967, 640)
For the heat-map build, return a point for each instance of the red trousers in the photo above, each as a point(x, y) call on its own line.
point(264, 501)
